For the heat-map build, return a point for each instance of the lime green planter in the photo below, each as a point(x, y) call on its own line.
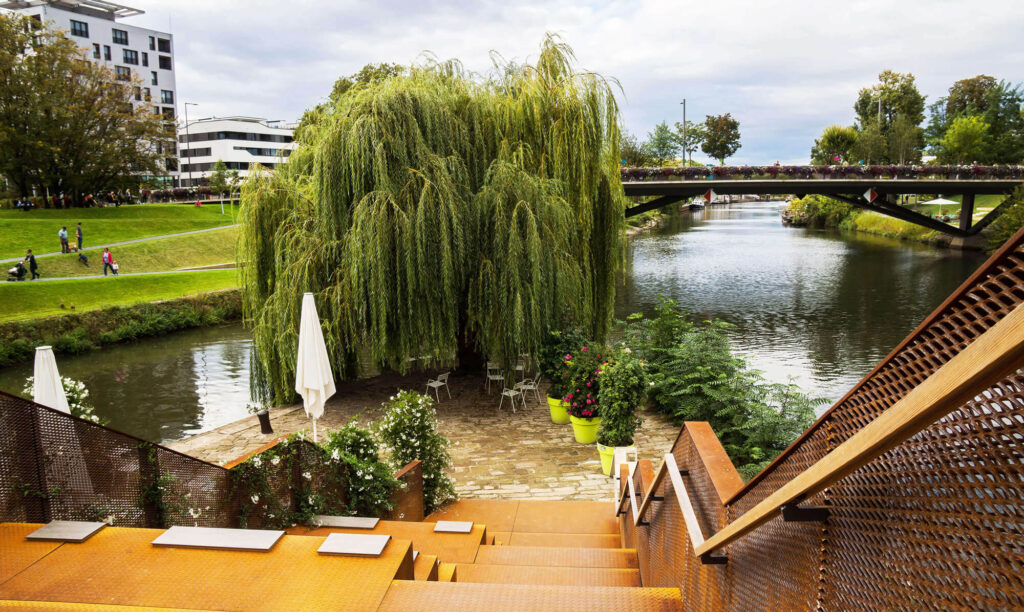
point(607, 454)
point(558, 414)
point(585, 430)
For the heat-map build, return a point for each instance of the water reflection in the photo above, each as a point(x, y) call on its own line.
point(821, 306)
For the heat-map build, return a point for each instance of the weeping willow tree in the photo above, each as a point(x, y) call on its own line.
point(436, 211)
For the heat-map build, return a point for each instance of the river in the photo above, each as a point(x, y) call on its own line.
point(816, 305)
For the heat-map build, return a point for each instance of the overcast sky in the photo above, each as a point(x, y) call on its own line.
point(784, 69)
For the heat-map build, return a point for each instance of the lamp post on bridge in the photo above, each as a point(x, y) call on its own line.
point(685, 163)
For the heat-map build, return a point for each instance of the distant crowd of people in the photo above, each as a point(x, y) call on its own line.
point(29, 265)
point(63, 200)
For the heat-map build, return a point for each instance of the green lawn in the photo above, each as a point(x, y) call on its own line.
point(37, 229)
point(163, 254)
point(26, 300)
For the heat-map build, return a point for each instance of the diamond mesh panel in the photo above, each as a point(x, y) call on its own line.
point(935, 523)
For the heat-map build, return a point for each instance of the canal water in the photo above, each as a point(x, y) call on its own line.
point(816, 305)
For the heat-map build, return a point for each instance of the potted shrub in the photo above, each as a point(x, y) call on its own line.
point(556, 346)
point(263, 414)
point(623, 387)
point(584, 376)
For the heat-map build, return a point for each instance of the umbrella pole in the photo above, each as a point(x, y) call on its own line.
point(314, 431)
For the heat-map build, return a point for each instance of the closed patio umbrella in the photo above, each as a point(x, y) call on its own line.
point(314, 380)
point(47, 387)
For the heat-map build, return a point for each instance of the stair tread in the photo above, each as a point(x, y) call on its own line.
point(409, 596)
point(539, 574)
point(425, 567)
point(557, 557)
point(446, 572)
point(451, 547)
point(533, 516)
point(497, 514)
point(563, 540)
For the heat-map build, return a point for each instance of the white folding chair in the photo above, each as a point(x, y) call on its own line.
point(529, 384)
point(494, 374)
point(511, 394)
point(437, 383)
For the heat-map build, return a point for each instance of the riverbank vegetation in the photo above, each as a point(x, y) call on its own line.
point(79, 332)
point(37, 229)
point(434, 212)
point(694, 375)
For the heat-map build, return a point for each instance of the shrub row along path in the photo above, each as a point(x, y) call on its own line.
point(71, 238)
point(494, 454)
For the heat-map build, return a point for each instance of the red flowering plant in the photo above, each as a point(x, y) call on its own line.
point(583, 370)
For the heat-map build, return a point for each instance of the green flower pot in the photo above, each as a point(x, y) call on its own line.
point(558, 414)
point(607, 455)
point(585, 430)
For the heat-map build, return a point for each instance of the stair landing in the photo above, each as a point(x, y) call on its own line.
point(578, 517)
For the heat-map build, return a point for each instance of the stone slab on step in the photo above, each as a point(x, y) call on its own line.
point(539, 574)
point(497, 514)
point(453, 526)
point(411, 596)
point(65, 531)
point(219, 539)
point(347, 522)
point(354, 544)
point(448, 547)
point(623, 558)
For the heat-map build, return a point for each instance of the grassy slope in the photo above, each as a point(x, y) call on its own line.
point(874, 223)
point(37, 229)
point(26, 300)
point(165, 254)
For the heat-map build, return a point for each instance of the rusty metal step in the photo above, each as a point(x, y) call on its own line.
point(446, 572)
point(425, 567)
point(562, 540)
point(536, 574)
point(624, 558)
point(410, 596)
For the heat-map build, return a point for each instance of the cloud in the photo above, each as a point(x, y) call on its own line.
point(784, 68)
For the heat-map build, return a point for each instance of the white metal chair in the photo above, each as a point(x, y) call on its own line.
point(512, 394)
point(494, 374)
point(529, 384)
point(437, 383)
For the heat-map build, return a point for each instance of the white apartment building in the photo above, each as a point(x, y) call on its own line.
point(237, 141)
point(129, 51)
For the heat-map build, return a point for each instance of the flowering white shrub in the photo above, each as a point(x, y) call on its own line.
point(78, 398)
point(409, 429)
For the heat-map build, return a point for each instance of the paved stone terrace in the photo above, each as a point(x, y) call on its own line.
point(494, 454)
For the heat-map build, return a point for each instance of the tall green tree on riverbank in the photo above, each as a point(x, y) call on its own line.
point(436, 214)
point(835, 145)
point(721, 136)
point(66, 123)
point(661, 144)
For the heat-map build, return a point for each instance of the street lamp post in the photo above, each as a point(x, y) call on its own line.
point(684, 132)
point(188, 142)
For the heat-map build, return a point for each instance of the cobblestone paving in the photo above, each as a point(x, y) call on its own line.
point(494, 454)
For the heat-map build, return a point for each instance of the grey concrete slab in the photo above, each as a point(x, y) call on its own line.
point(453, 526)
point(221, 539)
point(347, 522)
point(354, 544)
point(66, 531)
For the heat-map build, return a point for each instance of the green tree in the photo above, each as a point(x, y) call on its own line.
point(219, 181)
point(835, 145)
point(871, 145)
point(905, 139)
point(969, 96)
point(632, 153)
point(694, 137)
point(1009, 222)
point(661, 144)
point(894, 96)
point(721, 136)
point(1005, 117)
point(367, 75)
point(68, 124)
point(438, 213)
point(965, 140)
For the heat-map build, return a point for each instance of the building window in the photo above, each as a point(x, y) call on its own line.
point(147, 95)
point(95, 50)
point(168, 113)
point(106, 52)
point(120, 36)
point(167, 97)
point(156, 110)
point(163, 45)
point(204, 152)
point(131, 57)
point(138, 94)
point(123, 73)
point(79, 28)
point(152, 43)
point(145, 58)
point(153, 81)
point(165, 62)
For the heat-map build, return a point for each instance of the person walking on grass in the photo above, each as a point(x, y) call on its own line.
point(63, 235)
point(108, 262)
point(78, 235)
point(33, 267)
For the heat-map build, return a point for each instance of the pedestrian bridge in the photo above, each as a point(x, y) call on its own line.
point(670, 185)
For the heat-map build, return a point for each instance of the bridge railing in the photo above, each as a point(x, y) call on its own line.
point(931, 522)
point(946, 172)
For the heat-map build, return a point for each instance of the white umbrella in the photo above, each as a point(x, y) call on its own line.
point(314, 380)
point(47, 388)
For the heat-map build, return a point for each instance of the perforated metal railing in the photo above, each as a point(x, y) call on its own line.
point(936, 522)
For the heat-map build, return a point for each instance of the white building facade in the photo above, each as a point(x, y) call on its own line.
point(129, 51)
point(237, 141)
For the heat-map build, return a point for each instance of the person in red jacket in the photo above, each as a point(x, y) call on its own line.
point(108, 262)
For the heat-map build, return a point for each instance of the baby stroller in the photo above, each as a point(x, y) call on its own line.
point(17, 273)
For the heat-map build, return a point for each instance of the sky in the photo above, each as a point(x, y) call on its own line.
point(784, 69)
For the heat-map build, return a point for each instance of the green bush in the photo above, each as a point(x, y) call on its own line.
point(409, 429)
point(584, 368)
point(370, 481)
point(556, 346)
point(623, 390)
point(1009, 222)
point(818, 211)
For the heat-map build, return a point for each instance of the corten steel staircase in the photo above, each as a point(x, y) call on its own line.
point(906, 494)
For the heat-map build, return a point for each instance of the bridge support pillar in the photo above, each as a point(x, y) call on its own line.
point(967, 211)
